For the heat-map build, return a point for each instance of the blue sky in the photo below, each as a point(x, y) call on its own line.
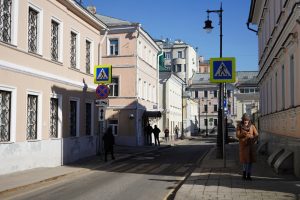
point(184, 19)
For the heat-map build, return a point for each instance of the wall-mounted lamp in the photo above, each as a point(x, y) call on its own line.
point(131, 116)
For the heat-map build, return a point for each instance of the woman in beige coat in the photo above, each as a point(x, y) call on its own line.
point(247, 134)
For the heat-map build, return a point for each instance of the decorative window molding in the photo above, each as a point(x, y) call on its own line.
point(59, 119)
point(35, 29)
point(114, 87)
point(113, 46)
point(74, 49)
point(12, 113)
point(89, 56)
point(34, 115)
point(56, 36)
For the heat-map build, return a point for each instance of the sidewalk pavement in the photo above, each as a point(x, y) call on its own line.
point(19, 180)
point(210, 180)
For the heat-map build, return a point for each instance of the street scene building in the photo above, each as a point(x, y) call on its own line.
point(48, 52)
point(133, 101)
point(278, 37)
point(94, 106)
point(181, 60)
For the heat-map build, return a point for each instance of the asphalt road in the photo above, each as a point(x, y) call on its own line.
point(148, 176)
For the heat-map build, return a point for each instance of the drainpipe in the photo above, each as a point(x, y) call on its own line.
point(136, 89)
point(251, 29)
point(100, 46)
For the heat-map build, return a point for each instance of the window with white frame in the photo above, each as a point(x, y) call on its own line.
point(87, 57)
point(5, 116)
point(149, 92)
point(73, 49)
point(167, 55)
point(114, 124)
point(140, 86)
point(74, 118)
point(54, 40)
point(33, 30)
point(113, 47)
point(180, 55)
point(53, 117)
point(114, 87)
point(32, 117)
point(5, 20)
point(153, 94)
point(88, 118)
point(145, 90)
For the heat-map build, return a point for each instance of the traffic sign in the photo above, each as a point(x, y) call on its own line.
point(222, 70)
point(101, 116)
point(102, 91)
point(101, 103)
point(102, 74)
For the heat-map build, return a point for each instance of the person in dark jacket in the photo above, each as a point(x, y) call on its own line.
point(109, 141)
point(148, 132)
point(156, 132)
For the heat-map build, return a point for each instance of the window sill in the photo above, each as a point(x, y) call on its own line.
point(8, 142)
point(53, 138)
point(37, 140)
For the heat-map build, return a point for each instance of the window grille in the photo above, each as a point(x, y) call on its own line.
point(73, 113)
point(32, 30)
point(88, 118)
point(54, 40)
point(54, 118)
point(32, 105)
point(73, 49)
point(5, 109)
point(5, 20)
point(88, 57)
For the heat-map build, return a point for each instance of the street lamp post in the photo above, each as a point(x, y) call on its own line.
point(208, 27)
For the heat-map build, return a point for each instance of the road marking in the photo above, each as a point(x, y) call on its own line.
point(161, 168)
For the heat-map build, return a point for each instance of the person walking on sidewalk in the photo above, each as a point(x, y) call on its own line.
point(247, 135)
point(148, 131)
point(176, 131)
point(109, 141)
point(167, 134)
point(156, 132)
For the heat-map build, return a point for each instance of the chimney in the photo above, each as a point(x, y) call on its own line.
point(92, 9)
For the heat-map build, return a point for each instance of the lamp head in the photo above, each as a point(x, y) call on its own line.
point(208, 27)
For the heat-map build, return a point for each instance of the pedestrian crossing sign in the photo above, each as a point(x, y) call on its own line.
point(222, 70)
point(102, 74)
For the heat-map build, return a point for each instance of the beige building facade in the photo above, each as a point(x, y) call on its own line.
point(279, 68)
point(47, 112)
point(133, 101)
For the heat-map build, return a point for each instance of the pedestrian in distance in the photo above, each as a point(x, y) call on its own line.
point(247, 135)
point(148, 132)
point(176, 131)
point(167, 134)
point(109, 141)
point(156, 132)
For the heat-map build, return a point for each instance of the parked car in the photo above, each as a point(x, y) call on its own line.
point(232, 133)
